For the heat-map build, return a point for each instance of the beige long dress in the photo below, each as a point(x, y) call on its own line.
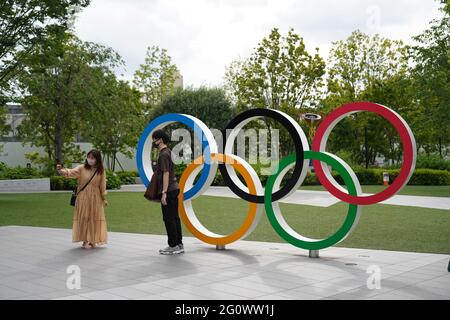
point(89, 223)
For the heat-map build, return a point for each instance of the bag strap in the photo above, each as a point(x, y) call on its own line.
point(88, 182)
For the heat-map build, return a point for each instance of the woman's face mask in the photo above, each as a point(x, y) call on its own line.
point(91, 162)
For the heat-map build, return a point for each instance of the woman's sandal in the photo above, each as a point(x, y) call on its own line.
point(93, 246)
point(85, 245)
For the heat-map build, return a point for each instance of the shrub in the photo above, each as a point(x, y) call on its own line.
point(424, 177)
point(428, 177)
point(19, 173)
point(127, 177)
point(63, 183)
point(3, 167)
point(432, 162)
point(420, 177)
point(112, 180)
point(179, 169)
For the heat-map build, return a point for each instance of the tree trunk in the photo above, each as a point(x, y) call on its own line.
point(113, 166)
point(366, 147)
point(59, 139)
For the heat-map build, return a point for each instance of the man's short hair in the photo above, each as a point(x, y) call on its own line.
point(161, 134)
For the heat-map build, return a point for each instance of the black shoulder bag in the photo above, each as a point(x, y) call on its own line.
point(73, 199)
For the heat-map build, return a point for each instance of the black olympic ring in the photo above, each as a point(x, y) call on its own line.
point(299, 150)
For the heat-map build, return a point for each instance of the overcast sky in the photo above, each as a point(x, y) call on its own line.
point(204, 36)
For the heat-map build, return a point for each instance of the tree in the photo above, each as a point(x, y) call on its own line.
point(431, 76)
point(446, 7)
point(116, 122)
point(25, 24)
point(156, 77)
point(281, 75)
point(207, 104)
point(61, 81)
point(361, 62)
point(369, 68)
point(4, 128)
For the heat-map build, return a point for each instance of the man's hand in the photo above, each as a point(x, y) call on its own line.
point(164, 199)
point(105, 203)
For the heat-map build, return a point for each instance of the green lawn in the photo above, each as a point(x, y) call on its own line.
point(429, 191)
point(381, 226)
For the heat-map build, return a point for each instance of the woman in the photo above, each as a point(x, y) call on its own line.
point(89, 223)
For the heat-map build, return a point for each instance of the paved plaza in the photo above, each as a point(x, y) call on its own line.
point(36, 263)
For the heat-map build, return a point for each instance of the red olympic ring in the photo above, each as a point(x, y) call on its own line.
point(406, 136)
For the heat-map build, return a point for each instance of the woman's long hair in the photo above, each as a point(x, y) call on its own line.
point(98, 157)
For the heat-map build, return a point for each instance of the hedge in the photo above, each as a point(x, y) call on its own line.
point(7, 173)
point(63, 183)
point(127, 177)
point(420, 177)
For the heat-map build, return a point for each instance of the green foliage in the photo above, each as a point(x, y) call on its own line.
point(3, 167)
point(73, 154)
point(112, 180)
point(62, 183)
point(432, 162)
point(280, 74)
point(4, 128)
point(24, 26)
point(420, 177)
point(62, 81)
point(208, 104)
point(369, 177)
point(156, 77)
point(19, 173)
point(179, 169)
point(127, 177)
point(428, 177)
point(115, 124)
point(367, 68)
point(431, 75)
point(360, 62)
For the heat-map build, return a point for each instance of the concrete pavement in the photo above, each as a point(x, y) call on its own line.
point(42, 263)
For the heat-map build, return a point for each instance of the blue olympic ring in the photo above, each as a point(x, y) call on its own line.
point(161, 122)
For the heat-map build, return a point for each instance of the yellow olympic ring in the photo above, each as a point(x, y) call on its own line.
point(190, 219)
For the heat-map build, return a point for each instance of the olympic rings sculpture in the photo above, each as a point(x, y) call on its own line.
point(266, 199)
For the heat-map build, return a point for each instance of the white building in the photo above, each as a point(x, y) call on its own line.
point(13, 150)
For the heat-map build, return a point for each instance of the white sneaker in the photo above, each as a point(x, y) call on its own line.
point(170, 250)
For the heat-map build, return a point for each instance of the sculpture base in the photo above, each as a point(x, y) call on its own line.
point(314, 254)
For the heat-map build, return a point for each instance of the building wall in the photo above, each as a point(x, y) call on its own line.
point(13, 155)
point(12, 152)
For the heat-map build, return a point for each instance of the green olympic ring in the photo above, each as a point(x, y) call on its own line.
point(279, 223)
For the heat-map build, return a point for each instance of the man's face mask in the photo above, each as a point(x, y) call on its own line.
point(155, 144)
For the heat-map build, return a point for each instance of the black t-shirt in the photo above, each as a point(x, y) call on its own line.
point(165, 164)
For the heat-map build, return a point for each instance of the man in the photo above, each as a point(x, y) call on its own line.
point(168, 189)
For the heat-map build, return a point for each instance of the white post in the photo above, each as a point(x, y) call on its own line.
point(314, 254)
